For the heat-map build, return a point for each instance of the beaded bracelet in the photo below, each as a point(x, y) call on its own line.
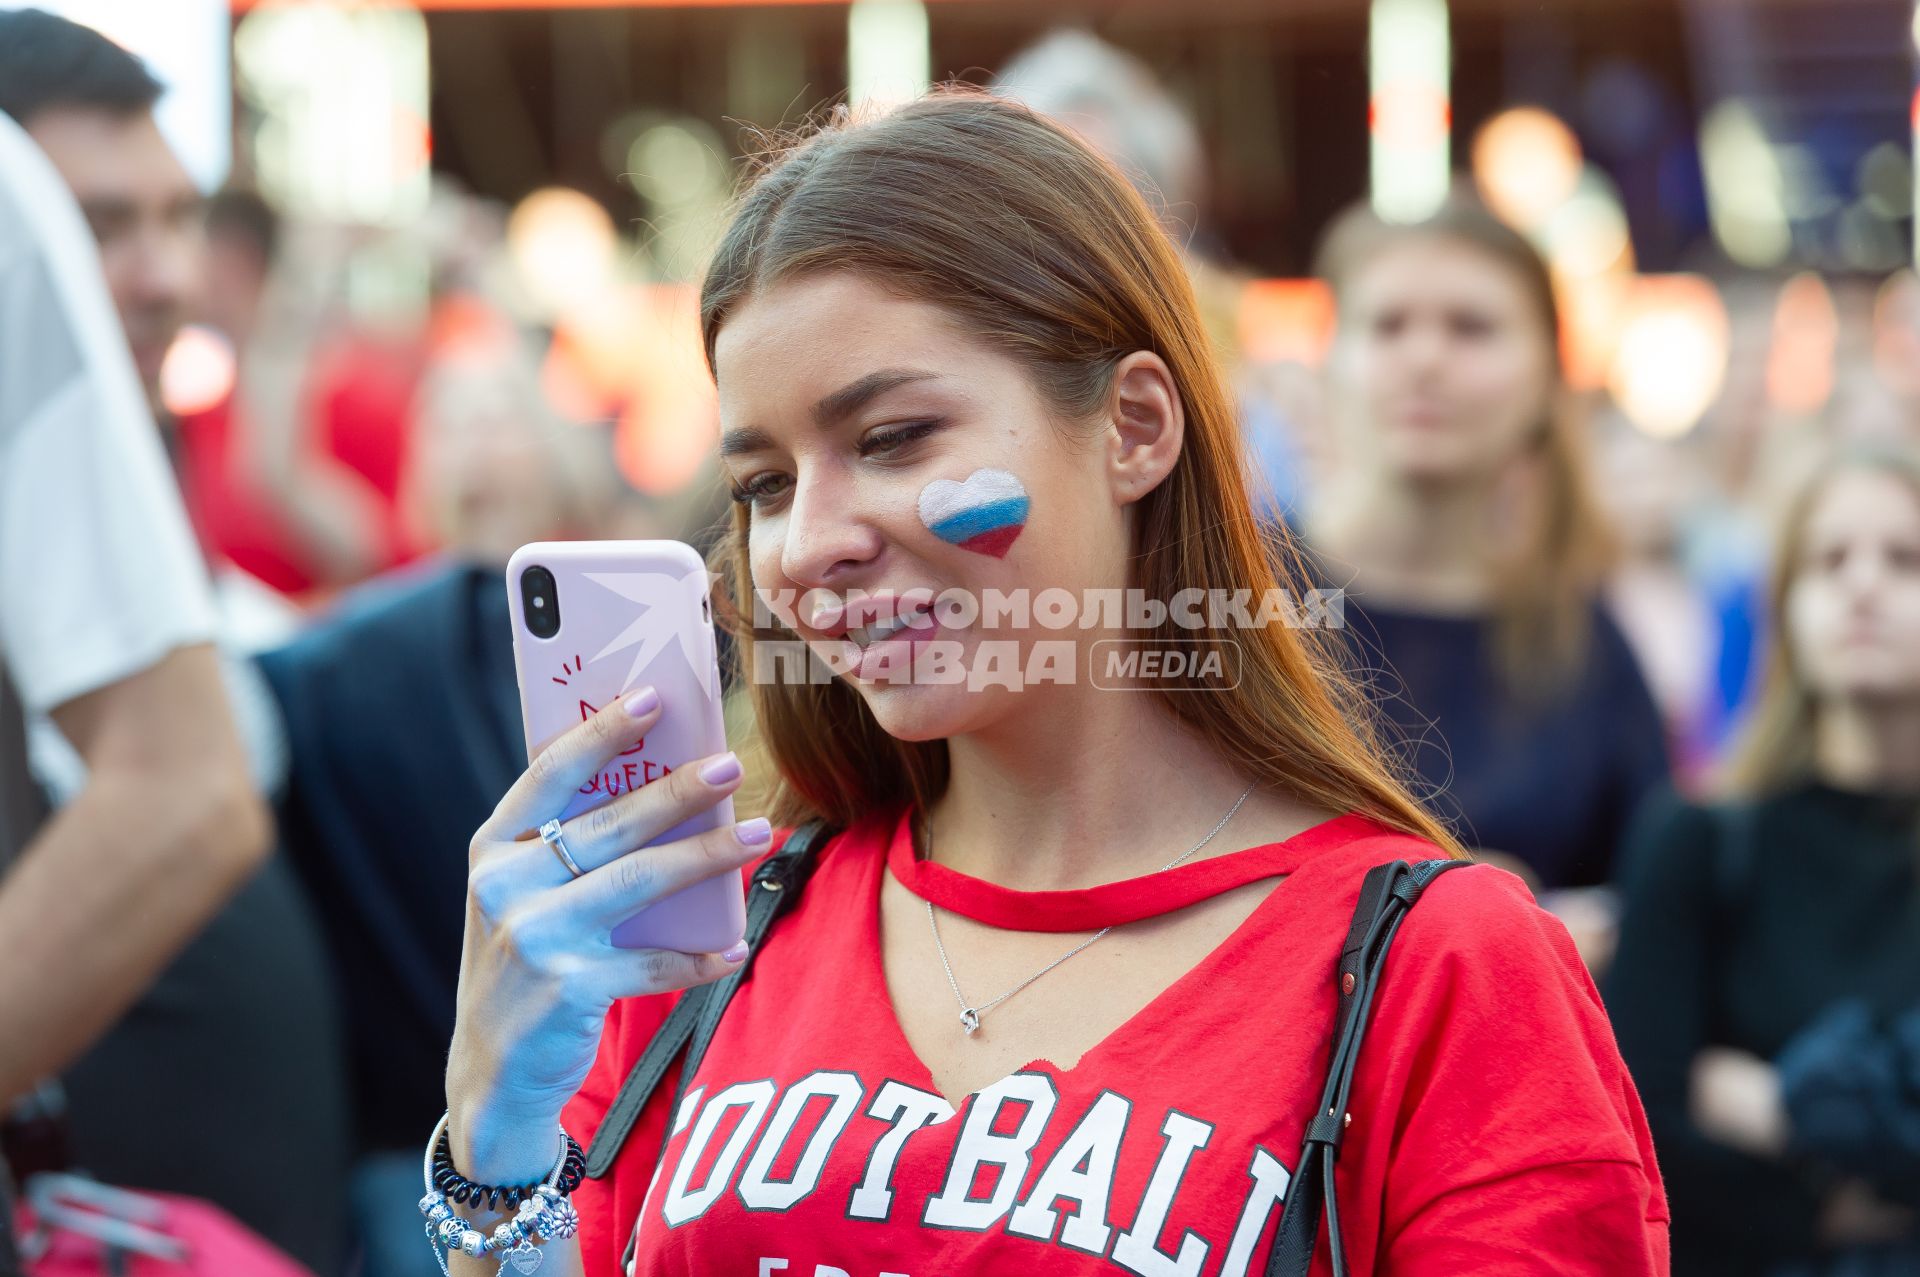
point(459, 1188)
point(541, 1217)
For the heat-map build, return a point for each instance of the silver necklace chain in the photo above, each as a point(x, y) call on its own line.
point(970, 1015)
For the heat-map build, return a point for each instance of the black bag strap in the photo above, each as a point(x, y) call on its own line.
point(1386, 894)
point(689, 1028)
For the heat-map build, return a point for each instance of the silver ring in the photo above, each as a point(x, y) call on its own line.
point(557, 843)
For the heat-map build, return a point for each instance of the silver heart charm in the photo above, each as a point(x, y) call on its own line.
point(525, 1258)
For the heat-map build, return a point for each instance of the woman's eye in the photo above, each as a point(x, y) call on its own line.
point(886, 441)
point(760, 490)
point(1471, 326)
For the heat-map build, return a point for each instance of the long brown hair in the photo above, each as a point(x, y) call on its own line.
point(1544, 593)
point(1776, 748)
point(1037, 245)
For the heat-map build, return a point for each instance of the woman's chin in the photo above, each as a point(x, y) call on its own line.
point(915, 711)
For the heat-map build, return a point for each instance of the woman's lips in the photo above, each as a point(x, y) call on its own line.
point(893, 653)
point(856, 620)
point(873, 637)
point(1421, 416)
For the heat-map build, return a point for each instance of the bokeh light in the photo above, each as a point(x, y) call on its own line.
point(1586, 233)
point(1592, 310)
point(671, 425)
point(1410, 113)
point(1746, 190)
point(677, 165)
point(198, 372)
point(1282, 320)
point(888, 59)
point(329, 144)
point(1806, 334)
point(563, 248)
point(1526, 163)
point(1672, 355)
point(1896, 333)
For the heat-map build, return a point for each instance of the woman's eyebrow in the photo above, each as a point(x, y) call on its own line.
point(734, 443)
point(855, 395)
point(831, 409)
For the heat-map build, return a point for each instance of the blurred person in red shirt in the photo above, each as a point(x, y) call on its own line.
point(299, 476)
point(294, 476)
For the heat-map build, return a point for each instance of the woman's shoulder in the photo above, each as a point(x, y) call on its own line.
point(1474, 914)
point(1466, 905)
point(1487, 917)
point(1481, 984)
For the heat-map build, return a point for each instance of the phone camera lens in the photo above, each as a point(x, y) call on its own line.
point(541, 602)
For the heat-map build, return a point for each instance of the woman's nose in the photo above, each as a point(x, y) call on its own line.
point(827, 535)
point(1424, 350)
point(1863, 576)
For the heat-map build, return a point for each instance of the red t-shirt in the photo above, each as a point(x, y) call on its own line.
point(359, 392)
point(1495, 1129)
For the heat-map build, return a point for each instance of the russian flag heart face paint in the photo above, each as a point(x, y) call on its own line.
point(983, 512)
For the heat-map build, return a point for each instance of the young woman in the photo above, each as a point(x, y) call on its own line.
point(962, 297)
point(1459, 515)
point(1749, 920)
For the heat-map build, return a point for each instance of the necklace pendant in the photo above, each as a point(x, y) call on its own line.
point(970, 1020)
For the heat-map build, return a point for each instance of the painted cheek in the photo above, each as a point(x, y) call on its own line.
point(984, 513)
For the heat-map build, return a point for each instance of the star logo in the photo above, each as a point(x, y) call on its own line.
point(653, 630)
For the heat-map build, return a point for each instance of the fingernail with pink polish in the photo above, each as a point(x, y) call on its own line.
point(722, 770)
point(757, 832)
point(643, 702)
point(736, 954)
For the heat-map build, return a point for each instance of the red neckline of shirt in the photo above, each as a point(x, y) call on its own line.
point(1113, 903)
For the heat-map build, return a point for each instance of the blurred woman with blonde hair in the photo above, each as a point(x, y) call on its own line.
point(1767, 987)
point(1459, 515)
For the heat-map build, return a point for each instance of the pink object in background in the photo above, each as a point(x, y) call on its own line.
point(165, 1236)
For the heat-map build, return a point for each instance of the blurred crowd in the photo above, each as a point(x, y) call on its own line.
point(1673, 682)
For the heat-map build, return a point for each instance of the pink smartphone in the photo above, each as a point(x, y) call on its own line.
point(592, 621)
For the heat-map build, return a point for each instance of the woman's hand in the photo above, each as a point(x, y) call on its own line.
point(1736, 1100)
point(1856, 1215)
point(539, 972)
point(1592, 917)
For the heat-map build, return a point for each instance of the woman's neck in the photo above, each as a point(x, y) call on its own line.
point(1869, 745)
point(1094, 786)
point(1420, 546)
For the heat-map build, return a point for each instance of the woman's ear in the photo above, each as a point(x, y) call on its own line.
point(1147, 428)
